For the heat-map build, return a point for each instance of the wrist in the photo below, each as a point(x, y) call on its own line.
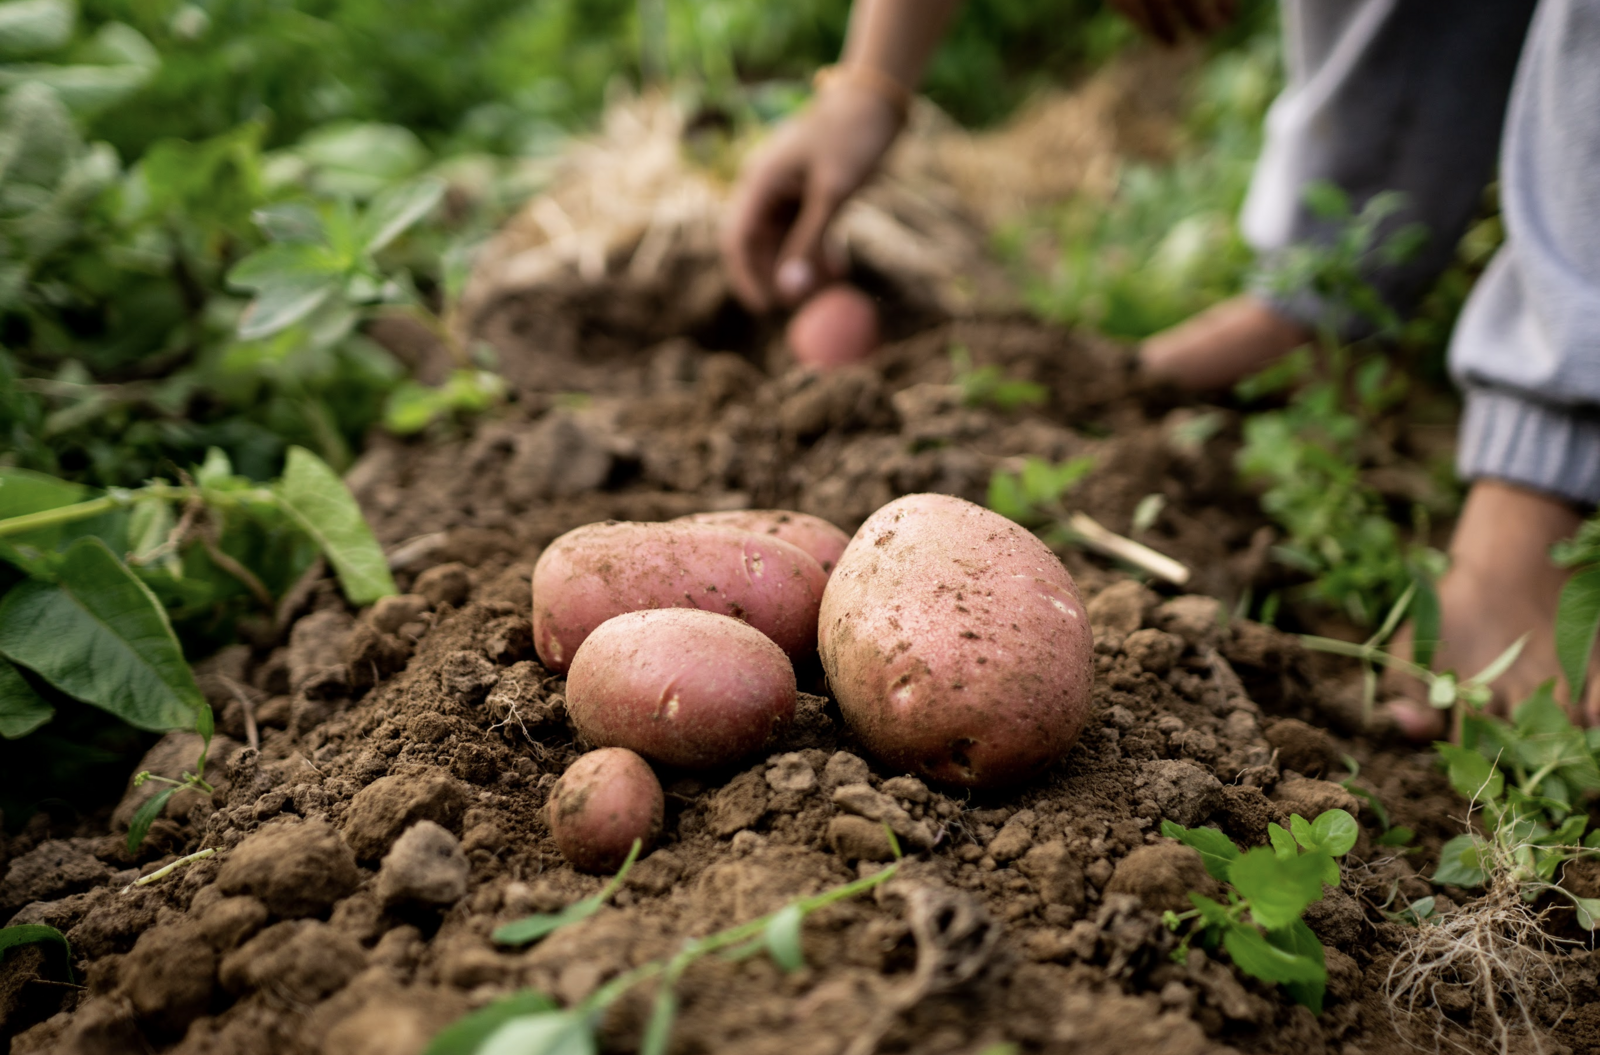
point(866, 80)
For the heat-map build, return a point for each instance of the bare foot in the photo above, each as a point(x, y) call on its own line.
point(1220, 346)
point(1501, 585)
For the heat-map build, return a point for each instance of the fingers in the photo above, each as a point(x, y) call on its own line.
point(757, 220)
point(1417, 722)
point(802, 261)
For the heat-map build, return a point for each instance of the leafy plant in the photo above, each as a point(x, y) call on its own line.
point(529, 1023)
point(1268, 889)
point(1032, 495)
point(988, 385)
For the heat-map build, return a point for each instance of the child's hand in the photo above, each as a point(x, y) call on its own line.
point(772, 242)
point(1167, 19)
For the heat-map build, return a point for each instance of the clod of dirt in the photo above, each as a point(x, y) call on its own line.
point(844, 768)
point(468, 676)
point(317, 653)
point(858, 839)
point(426, 866)
point(1154, 650)
point(230, 920)
point(295, 869)
point(1309, 797)
point(1244, 813)
point(1303, 748)
point(1184, 792)
point(1195, 618)
point(1119, 609)
point(740, 805)
point(52, 869)
point(1056, 874)
point(392, 1022)
point(561, 456)
point(442, 584)
point(169, 975)
point(389, 614)
point(863, 801)
point(791, 773)
point(1337, 918)
point(1110, 1021)
point(1014, 839)
point(388, 806)
point(297, 962)
point(1161, 876)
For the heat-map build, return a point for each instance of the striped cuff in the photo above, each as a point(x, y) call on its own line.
point(1509, 437)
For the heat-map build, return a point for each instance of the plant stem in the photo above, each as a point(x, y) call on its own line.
point(120, 498)
point(161, 873)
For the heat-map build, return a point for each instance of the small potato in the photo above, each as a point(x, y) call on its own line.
point(602, 803)
point(602, 570)
point(680, 686)
point(813, 534)
point(836, 327)
point(956, 643)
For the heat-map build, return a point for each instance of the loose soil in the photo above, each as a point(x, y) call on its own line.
point(392, 815)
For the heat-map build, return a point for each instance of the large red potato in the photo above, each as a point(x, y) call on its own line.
point(680, 686)
point(956, 643)
point(816, 536)
point(836, 327)
point(602, 570)
point(602, 803)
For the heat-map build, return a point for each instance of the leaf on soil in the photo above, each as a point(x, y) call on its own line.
point(466, 1035)
point(1278, 888)
point(146, 815)
point(1259, 958)
point(320, 503)
point(782, 938)
point(37, 934)
point(1215, 848)
point(1460, 862)
point(101, 636)
point(547, 1033)
point(1335, 832)
point(21, 709)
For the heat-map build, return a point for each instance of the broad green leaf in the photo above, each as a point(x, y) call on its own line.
point(1425, 616)
point(285, 264)
point(23, 492)
point(1259, 958)
point(21, 709)
point(1473, 776)
point(83, 89)
point(1278, 888)
point(1297, 939)
point(1399, 835)
point(663, 1014)
point(38, 139)
point(546, 1033)
point(149, 525)
point(1461, 862)
point(530, 929)
point(30, 27)
point(1577, 623)
point(100, 635)
point(290, 221)
point(320, 503)
point(1336, 832)
point(216, 470)
point(397, 208)
point(1588, 911)
point(1215, 848)
point(1302, 832)
point(1282, 842)
point(1212, 913)
point(466, 1035)
point(146, 815)
point(37, 934)
point(278, 307)
point(782, 938)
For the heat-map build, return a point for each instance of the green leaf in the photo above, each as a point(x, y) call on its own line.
point(37, 934)
point(23, 492)
point(30, 27)
point(1302, 832)
point(1461, 862)
point(100, 635)
point(21, 709)
point(146, 815)
point(782, 938)
point(1442, 691)
point(1588, 911)
point(281, 305)
point(1298, 940)
point(1278, 888)
point(1577, 624)
point(533, 928)
point(1425, 616)
point(663, 1014)
point(546, 1033)
point(1282, 842)
point(1336, 832)
point(1473, 776)
point(1259, 958)
point(1212, 913)
point(1501, 663)
point(1399, 835)
point(291, 222)
point(1215, 848)
point(397, 208)
point(320, 503)
point(466, 1035)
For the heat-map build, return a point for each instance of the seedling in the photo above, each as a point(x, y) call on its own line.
point(1268, 889)
point(1397, 835)
point(988, 385)
point(529, 1023)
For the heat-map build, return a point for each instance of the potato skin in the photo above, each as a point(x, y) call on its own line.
point(680, 686)
point(836, 327)
point(816, 536)
point(598, 571)
point(602, 803)
point(956, 643)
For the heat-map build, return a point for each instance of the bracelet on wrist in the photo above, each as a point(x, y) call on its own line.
point(883, 85)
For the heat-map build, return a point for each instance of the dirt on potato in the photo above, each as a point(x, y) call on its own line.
point(393, 813)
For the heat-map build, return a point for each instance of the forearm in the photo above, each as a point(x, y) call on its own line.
point(896, 37)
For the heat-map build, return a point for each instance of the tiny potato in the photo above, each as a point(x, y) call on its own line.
point(599, 571)
point(836, 327)
point(816, 536)
point(680, 686)
point(602, 803)
point(956, 643)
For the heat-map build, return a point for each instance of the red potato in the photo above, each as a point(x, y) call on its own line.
point(816, 536)
point(602, 803)
point(680, 686)
point(593, 573)
point(956, 644)
point(836, 327)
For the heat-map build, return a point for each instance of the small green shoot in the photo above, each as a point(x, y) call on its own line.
point(1269, 889)
point(1032, 495)
point(1389, 834)
point(988, 385)
point(530, 929)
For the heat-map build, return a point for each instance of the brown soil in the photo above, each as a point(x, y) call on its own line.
point(393, 814)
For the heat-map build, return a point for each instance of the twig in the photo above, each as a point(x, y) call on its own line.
point(257, 588)
point(1096, 536)
point(161, 873)
point(252, 735)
